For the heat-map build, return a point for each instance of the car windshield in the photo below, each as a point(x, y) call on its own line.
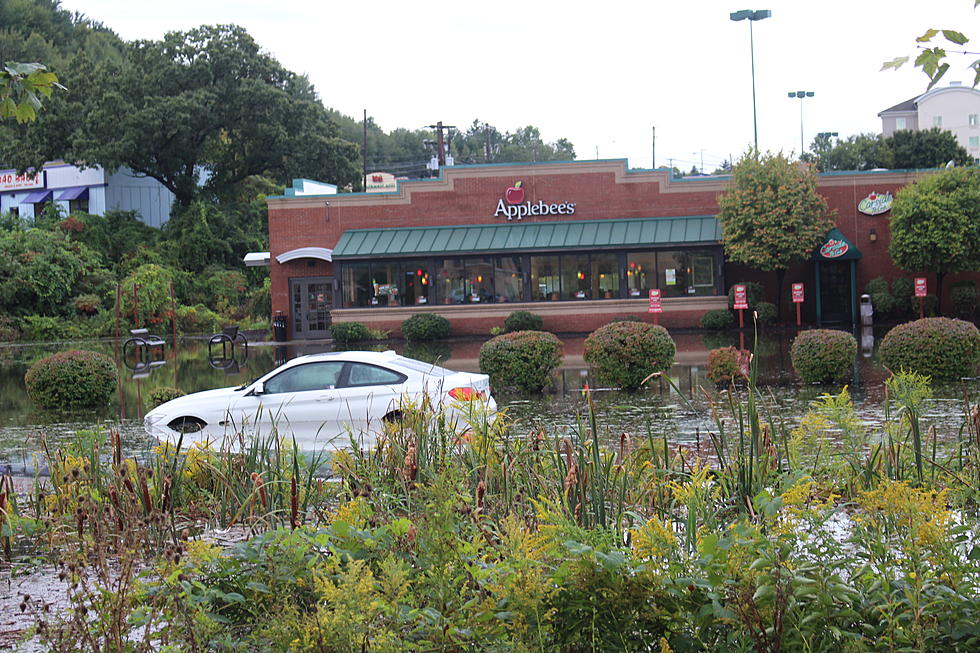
point(419, 366)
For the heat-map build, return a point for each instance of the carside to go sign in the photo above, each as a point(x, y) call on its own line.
point(741, 298)
point(798, 293)
point(655, 305)
point(921, 287)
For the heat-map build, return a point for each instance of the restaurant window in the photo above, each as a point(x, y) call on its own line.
point(385, 287)
point(545, 280)
point(479, 278)
point(451, 277)
point(672, 274)
point(508, 278)
point(356, 280)
point(416, 283)
point(641, 273)
point(703, 273)
point(605, 276)
point(575, 276)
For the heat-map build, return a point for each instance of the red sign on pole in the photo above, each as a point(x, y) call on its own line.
point(655, 306)
point(741, 299)
point(798, 293)
point(798, 299)
point(921, 288)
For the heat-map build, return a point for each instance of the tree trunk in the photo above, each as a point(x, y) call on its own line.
point(780, 276)
point(939, 291)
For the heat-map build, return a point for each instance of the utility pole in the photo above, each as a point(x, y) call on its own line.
point(653, 149)
point(440, 141)
point(364, 161)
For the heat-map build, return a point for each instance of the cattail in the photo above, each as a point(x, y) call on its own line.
point(410, 465)
point(260, 484)
point(165, 500)
point(147, 504)
point(571, 479)
point(481, 491)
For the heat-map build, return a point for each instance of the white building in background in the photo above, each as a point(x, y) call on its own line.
point(91, 190)
point(955, 108)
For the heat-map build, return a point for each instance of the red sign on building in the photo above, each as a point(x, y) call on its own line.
point(798, 293)
point(921, 288)
point(655, 306)
point(741, 299)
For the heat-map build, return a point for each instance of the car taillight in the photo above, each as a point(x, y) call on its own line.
point(466, 394)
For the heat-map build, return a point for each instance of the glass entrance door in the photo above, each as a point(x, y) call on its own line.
point(311, 299)
point(835, 292)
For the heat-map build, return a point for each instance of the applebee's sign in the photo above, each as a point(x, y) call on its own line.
point(876, 203)
point(833, 248)
point(516, 207)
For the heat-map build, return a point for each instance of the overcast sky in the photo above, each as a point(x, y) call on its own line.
point(601, 74)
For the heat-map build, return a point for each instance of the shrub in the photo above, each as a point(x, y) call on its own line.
point(87, 304)
point(523, 321)
point(163, 395)
point(724, 364)
point(719, 319)
point(349, 332)
point(903, 290)
point(823, 355)
point(41, 328)
point(71, 379)
point(766, 312)
point(754, 293)
point(941, 347)
point(8, 329)
point(930, 305)
point(963, 294)
point(625, 353)
point(197, 319)
point(522, 360)
point(425, 326)
point(883, 304)
point(876, 285)
point(436, 353)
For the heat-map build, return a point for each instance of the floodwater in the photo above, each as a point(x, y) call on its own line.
point(676, 409)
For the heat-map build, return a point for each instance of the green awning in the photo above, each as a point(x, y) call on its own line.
point(528, 236)
point(836, 247)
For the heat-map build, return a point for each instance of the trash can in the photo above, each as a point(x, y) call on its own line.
point(279, 327)
point(867, 311)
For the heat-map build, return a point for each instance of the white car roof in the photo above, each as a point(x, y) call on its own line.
point(390, 358)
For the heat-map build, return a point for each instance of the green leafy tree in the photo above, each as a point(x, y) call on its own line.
point(204, 105)
point(41, 270)
point(935, 224)
point(928, 148)
point(772, 215)
point(932, 60)
point(22, 85)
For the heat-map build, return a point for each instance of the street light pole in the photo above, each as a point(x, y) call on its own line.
point(801, 95)
point(752, 16)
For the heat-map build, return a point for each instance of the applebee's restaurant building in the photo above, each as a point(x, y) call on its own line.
point(578, 243)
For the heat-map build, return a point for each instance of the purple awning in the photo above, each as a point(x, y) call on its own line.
point(37, 196)
point(68, 194)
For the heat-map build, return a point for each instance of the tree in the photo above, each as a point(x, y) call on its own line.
point(935, 224)
point(21, 87)
point(930, 148)
point(772, 215)
point(203, 105)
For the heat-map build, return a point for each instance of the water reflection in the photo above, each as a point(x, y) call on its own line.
point(675, 410)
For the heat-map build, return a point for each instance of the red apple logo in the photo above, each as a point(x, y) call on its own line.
point(515, 194)
point(873, 196)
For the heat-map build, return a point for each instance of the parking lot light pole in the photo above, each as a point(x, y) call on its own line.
point(752, 16)
point(801, 95)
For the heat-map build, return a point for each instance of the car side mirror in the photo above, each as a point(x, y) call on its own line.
point(258, 388)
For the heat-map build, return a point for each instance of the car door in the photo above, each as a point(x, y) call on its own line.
point(367, 394)
point(296, 401)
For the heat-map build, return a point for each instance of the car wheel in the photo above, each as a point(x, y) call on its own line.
point(187, 424)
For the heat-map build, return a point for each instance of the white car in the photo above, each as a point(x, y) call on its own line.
point(320, 396)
